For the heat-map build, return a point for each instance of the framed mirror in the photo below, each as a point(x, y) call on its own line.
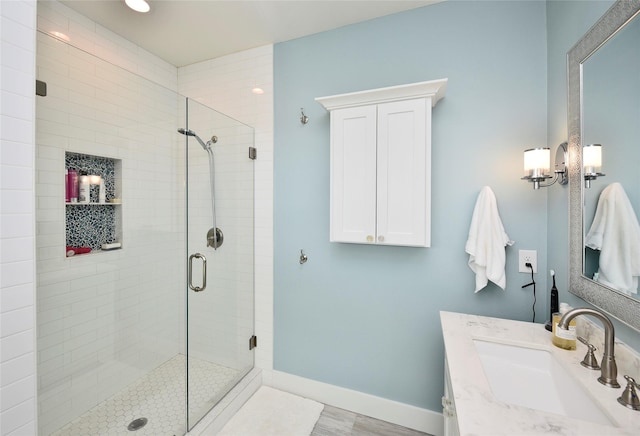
point(603, 77)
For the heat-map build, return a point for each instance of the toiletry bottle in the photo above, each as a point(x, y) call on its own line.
point(102, 195)
point(564, 338)
point(73, 186)
point(67, 197)
point(84, 189)
point(553, 307)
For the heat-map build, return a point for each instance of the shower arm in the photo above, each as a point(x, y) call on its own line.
point(207, 148)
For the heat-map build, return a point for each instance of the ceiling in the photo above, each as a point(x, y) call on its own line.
point(183, 32)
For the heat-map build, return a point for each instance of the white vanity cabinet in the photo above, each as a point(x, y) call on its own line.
point(449, 405)
point(381, 164)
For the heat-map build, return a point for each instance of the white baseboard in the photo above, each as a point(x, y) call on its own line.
point(395, 412)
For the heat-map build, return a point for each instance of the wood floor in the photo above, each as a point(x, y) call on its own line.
point(339, 422)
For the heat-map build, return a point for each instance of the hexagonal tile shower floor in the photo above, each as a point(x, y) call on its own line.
point(159, 397)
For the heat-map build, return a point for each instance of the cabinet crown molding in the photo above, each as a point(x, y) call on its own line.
point(433, 89)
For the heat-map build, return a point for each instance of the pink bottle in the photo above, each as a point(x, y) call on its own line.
point(73, 186)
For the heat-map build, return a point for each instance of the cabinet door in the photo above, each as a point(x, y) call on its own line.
point(353, 174)
point(404, 160)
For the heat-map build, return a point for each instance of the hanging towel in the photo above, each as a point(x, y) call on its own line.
point(616, 233)
point(486, 241)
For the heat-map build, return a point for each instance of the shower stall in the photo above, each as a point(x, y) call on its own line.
point(153, 326)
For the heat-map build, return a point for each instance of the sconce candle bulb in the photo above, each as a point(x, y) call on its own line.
point(537, 166)
point(591, 163)
point(536, 161)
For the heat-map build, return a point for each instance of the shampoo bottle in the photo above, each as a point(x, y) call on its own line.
point(564, 338)
point(102, 195)
point(84, 189)
point(73, 186)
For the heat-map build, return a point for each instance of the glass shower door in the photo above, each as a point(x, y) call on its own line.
point(220, 266)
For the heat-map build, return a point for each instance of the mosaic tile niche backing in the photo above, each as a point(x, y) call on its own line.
point(91, 225)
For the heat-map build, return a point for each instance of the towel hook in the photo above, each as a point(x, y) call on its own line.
point(303, 119)
point(303, 257)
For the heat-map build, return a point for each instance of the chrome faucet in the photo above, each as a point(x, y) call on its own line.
point(608, 367)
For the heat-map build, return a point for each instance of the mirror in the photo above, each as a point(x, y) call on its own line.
point(612, 74)
point(594, 83)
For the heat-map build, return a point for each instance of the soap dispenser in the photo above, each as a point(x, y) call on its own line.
point(564, 338)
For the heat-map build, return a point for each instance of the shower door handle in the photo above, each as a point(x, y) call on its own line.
point(204, 272)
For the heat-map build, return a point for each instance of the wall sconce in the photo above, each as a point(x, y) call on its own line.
point(591, 163)
point(537, 166)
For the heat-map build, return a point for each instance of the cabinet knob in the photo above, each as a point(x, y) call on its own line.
point(380, 238)
point(369, 238)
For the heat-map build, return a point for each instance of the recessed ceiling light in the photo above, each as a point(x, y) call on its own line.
point(59, 35)
point(258, 90)
point(138, 5)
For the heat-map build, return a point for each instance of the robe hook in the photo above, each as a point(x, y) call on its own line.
point(303, 119)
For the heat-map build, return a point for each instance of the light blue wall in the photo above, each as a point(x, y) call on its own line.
point(567, 21)
point(367, 317)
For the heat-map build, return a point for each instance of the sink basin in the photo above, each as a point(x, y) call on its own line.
point(532, 378)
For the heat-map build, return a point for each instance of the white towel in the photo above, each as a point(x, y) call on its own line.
point(616, 233)
point(486, 241)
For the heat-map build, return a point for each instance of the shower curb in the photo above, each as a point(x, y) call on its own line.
point(216, 419)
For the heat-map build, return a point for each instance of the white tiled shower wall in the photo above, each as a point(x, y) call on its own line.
point(17, 387)
point(95, 39)
point(17, 219)
point(105, 319)
point(224, 84)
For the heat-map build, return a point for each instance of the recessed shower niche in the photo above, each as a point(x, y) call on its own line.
point(93, 213)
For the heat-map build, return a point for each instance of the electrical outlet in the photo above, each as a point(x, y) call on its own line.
point(527, 256)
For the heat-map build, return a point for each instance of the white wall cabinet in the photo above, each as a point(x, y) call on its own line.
point(381, 164)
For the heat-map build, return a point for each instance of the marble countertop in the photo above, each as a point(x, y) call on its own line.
point(479, 413)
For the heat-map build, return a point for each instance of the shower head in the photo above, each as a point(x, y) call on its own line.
point(188, 132)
